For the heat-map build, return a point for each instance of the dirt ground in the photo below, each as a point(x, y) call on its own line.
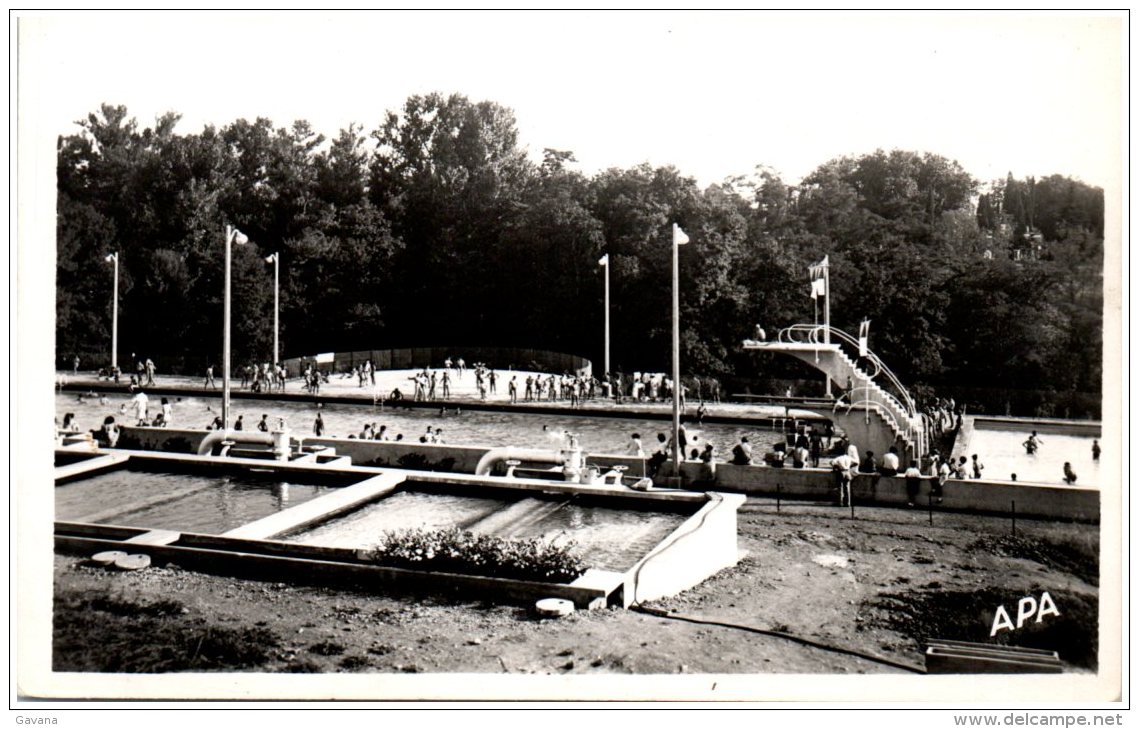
point(877, 584)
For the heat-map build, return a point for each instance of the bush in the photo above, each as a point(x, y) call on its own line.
point(455, 550)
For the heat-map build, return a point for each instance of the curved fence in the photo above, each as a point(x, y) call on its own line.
point(434, 357)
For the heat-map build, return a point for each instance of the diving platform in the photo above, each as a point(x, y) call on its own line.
point(874, 410)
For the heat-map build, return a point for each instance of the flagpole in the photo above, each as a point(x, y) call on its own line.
point(675, 352)
point(827, 310)
point(606, 373)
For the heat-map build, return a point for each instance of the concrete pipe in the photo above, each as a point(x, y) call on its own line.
point(530, 455)
point(235, 436)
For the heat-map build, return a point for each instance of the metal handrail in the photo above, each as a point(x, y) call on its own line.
point(812, 332)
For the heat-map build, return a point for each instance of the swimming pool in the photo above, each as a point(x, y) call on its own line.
point(999, 446)
point(476, 428)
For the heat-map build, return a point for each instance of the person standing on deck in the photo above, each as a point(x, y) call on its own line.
point(1095, 450)
point(841, 467)
point(977, 467)
point(913, 482)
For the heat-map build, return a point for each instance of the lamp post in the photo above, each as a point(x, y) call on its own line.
point(114, 314)
point(275, 259)
point(604, 263)
point(231, 234)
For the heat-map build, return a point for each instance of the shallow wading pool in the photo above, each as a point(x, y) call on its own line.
point(605, 536)
point(205, 503)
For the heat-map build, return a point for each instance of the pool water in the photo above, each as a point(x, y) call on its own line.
point(1002, 454)
point(210, 504)
point(606, 538)
point(476, 428)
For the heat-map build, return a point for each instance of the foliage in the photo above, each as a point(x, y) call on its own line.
point(436, 228)
point(463, 552)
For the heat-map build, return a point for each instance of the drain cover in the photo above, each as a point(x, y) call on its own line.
point(133, 562)
point(107, 558)
point(554, 607)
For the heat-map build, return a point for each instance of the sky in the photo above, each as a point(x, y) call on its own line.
point(714, 93)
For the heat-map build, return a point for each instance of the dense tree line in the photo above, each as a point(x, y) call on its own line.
point(436, 228)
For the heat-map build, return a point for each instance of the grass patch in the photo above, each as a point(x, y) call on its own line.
point(1078, 556)
point(933, 614)
point(103, 633)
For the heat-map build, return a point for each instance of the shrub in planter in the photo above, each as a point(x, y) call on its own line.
point(463, 552)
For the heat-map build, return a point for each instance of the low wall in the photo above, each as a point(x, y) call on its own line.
point(1031, 500)
point(699, 548)
point(998, 497)
point(499, 358)
point(1086, 429)
point(402, 454)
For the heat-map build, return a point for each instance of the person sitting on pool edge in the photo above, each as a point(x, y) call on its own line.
point(109, 433)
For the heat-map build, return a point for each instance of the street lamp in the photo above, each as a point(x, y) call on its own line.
point(275, 259)
point(114, 314)
point(231, 234)
point(604, 263)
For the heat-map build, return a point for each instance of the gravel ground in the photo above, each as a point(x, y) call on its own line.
point(809, 571)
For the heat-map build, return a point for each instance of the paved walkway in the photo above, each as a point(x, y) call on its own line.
point(464, 393)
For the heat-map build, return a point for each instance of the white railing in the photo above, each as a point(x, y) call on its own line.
point(892, 409)
point(816, 334)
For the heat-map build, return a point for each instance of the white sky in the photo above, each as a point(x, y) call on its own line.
point(714, 93)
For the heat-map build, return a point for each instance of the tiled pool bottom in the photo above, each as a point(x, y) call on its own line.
point(1002, 453)
point(207, 504)
point(606, 537)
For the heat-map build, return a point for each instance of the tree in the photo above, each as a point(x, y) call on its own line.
point(450, 176)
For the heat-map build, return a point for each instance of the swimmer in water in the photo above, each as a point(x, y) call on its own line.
point(1032, 444)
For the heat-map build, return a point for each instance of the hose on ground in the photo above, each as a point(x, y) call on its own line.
point(776, 634)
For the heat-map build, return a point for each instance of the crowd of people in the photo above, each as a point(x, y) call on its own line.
point(807, 446)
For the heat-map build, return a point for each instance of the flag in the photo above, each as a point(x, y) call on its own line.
point(818, 283)
point(604, 260)
point(816, 270)
point(678, 236)
point(864, 338)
